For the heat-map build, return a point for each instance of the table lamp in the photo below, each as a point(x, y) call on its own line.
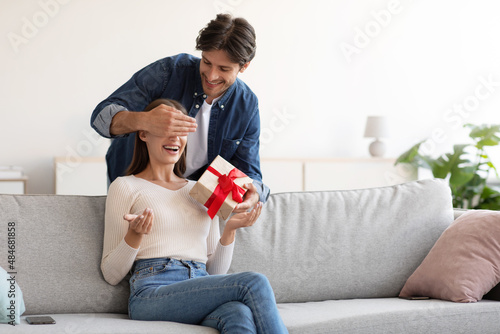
point(376, 127)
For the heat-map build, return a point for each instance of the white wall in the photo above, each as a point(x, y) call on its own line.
point(61, 58)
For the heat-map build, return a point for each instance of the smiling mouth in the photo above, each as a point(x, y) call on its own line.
point(210, 83)
point(171, 148)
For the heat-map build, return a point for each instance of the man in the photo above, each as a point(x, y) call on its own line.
point(223, 112)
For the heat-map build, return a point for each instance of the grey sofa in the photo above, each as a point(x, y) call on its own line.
point(336, 260)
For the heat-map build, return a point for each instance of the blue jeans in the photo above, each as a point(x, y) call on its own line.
point(183, 291)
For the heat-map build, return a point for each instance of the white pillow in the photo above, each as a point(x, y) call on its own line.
point(11, 299)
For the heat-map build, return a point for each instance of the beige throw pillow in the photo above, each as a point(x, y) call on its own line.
point(464, 264)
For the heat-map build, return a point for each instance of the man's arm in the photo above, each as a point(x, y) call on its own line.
point(143, 87)
point(160, 121)
point(117, 115)
point(127, 122)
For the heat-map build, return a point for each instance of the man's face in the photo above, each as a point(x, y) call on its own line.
point(218, 73)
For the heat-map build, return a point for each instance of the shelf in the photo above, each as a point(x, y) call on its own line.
point(317, 174)
point(14, 186)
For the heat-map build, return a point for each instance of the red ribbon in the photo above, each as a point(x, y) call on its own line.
point(226, 185)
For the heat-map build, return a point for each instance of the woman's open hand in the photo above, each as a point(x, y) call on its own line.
point(139, 225)
point(239, 220)
point(245, 219)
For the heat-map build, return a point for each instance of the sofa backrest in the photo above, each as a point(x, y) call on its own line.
point(344, 244)
point(311, 245)
point(58, 249)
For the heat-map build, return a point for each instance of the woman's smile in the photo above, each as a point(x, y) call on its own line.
point(171, 149)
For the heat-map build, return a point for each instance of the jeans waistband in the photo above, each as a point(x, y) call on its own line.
point(144, 263)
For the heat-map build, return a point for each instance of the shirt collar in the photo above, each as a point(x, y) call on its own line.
point(198, 90)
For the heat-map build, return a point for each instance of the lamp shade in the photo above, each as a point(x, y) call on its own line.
point(376, 127)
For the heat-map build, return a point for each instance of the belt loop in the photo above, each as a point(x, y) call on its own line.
point(189, 266)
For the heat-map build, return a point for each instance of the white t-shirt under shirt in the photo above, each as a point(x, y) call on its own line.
point(181, 229)
point(197, 147)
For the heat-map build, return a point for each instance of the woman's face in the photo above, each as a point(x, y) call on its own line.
point(164, 150)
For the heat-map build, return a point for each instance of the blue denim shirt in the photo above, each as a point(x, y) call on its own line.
point(234, 126)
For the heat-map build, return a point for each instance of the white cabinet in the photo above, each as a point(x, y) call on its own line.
point(85, 176)
point(283, 175)
point(13, 186)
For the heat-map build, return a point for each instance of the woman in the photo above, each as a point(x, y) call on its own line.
point(175, 251)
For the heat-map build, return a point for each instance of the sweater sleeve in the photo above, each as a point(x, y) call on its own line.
point(117, 257)
point(219, 256)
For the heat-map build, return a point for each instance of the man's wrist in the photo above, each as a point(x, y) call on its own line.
point(127, 122)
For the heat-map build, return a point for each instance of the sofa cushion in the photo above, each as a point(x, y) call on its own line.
point(354, 316)
point(463, 264)
point(105, 323)
point(364, 243)
point(391, 315)
point(58, 253)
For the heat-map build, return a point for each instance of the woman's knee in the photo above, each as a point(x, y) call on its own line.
point(253, 280)
point(239, 310)
point(231, 317)
point(257, 278)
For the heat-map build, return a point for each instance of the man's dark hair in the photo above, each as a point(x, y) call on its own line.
point(234, 35)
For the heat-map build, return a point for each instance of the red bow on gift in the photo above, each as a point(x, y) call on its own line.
point(226, 185)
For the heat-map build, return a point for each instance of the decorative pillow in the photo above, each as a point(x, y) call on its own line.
point(463, 264)
point(11, 299)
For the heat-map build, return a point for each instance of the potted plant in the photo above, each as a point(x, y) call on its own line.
point(466, 168)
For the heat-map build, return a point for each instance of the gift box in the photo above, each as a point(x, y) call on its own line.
point(220, 188)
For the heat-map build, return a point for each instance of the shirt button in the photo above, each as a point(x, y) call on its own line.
point(222, 106)
point(237, 142)
point(204, 96)
point(197, 106)
point(195, 94)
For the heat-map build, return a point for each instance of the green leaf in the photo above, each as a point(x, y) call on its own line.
point(490, 199)
point(484, 135)
point(440, 167)
point(467, 168)
point(409, 156)
point(489, 192)
point(483, 130)
point(492, 141)
point(462, 170)
point(460, 176)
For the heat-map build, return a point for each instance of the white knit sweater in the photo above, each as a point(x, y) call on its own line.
point(181, 229)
